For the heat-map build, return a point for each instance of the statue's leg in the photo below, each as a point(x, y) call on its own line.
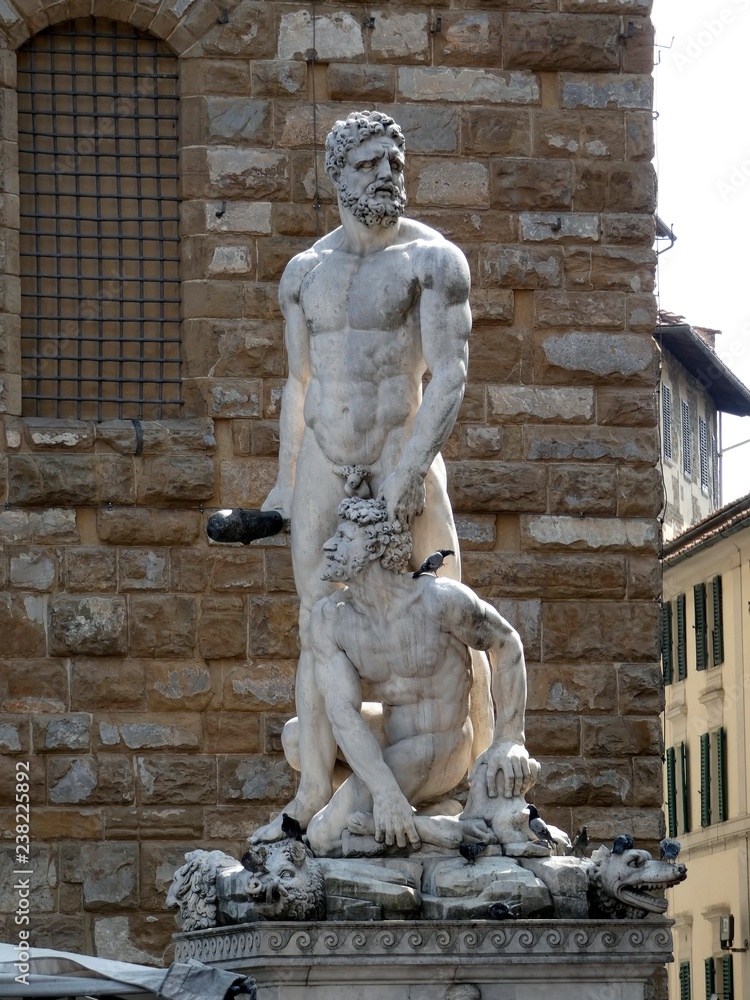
point(317, 493)
point(371, 712)
point(435, 529)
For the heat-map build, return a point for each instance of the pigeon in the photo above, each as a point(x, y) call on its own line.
point(539, 828)
point(623, 843)
point(251, 861)
point(669, 849)
point(433, 563)
point(471, 852)
point(502, 911)
point(581, 842)
point(290, 827)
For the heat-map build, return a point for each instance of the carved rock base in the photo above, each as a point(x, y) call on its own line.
point(420, 960)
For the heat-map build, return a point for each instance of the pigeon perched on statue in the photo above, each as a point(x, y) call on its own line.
point(623, 843)
point(502, 911)
point(669, 849)
point(471, 852)
point(433, 563)
point(539, 828)
point(290, 827)
point(581, 842)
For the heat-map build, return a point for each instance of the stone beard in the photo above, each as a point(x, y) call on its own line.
point(371, 212)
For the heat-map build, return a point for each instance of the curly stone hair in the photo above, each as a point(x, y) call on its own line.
point(373, 517)
point(359, 125)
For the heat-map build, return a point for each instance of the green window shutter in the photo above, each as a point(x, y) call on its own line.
point(685, 781)
point(671, 803)
point(685, 981)
point(727, 976)
point(721, 774)
point(717, 633)
point(705, 780)
point(681, 639)
point(701, 646)
point(710, 978)
point(666, 641)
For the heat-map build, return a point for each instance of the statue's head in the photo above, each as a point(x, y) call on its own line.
point(365, 163)
point(365, 534)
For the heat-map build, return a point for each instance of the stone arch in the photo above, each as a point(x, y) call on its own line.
point(179, 23)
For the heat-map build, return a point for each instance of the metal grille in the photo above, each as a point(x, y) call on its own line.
point(97, 139)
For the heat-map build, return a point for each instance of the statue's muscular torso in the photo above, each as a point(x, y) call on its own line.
point(363, 322)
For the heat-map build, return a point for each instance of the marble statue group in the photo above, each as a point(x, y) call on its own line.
point(407, 684)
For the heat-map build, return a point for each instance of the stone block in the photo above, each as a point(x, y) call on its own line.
point(236, 569)
point(265, 438)
point(427, 128)
point(606, 91)
point(162, 625)
point(539, 404)
point(579, 782)
point(295, 220)
point(628, 228)
point(106, 778)
point(143, 569)
point(473, 404)
point(279, 574)
point(481, 442)
point(158, 863)
point(227, 397)
point(239, 347)
point(279, 78)
point(60, 435)
point(90, 570)
point(229, 259)
point(553, 735)
point(338, 36)
point(179, 686)
point(641, 312)
point(232, 732)
point(170, 822)
point(639, 492)
point(14, 526)
point(254, 173)
point(249, 32)
point(190, 570)
point(93, 626)
point(43, 883)
point(147, 527)
point(275, 253)
point(639, 689)
point(600, 631)
point(608, 357)
point(352, 82)
point(578, 688)
point(579, 134)
point(295, 124)
point(400, 37)
point(577, 444)
point(644, 578)
point(53, 526)
point(260, 684)
point(273, 626)
point(107, 684)
point(648, 777)
point(463, 227)
point(75, 479)
point(626, 407)
point(10, 328)
point(467, 85)
point(108, 873)
point(255, 777)
point(499, 132)
point(232, 120)
point(583, 490)
point(247, 483)
point(607, 6)
point(631, 269)
point(217, 76)
point(176, 477)
point(61, 932)
point(61, 732)
point(14, 733)
point(450, 182)
point(35, 569)
point(309, 184)
point(30, 685)
point(531, 574)
point(520, 267)
point(273, 727)
point(632, 188)
point(553, 42)
point(592, 309)
point(470, 38)
point(606, 823)
point(475, 531)
point(492, 305)
point(247, 217)
point(595, 534)
point(531, 185)
point(617, 737)
point(496, 486)
point(143, 732)
point(572, 227)
point(222, 627)
point(172, 779)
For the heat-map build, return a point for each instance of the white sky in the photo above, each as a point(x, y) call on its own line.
point(703, 163)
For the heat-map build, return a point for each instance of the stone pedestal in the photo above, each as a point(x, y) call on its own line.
point(421, 960)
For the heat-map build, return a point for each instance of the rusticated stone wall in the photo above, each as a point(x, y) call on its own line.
point(145, 673)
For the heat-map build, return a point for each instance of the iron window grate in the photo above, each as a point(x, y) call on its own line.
point(98, 167)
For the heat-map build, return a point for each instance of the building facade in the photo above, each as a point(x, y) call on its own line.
point(160, 162)
point(705, 647)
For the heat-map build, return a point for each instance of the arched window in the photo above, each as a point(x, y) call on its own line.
point(97, 139)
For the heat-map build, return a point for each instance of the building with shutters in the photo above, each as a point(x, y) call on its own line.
point(696, 387)
point(705, 635)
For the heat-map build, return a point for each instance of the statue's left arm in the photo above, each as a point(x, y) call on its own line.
point(480, 626)
point(445, 322)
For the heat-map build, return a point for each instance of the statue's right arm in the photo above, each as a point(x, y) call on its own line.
point(291, 421)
